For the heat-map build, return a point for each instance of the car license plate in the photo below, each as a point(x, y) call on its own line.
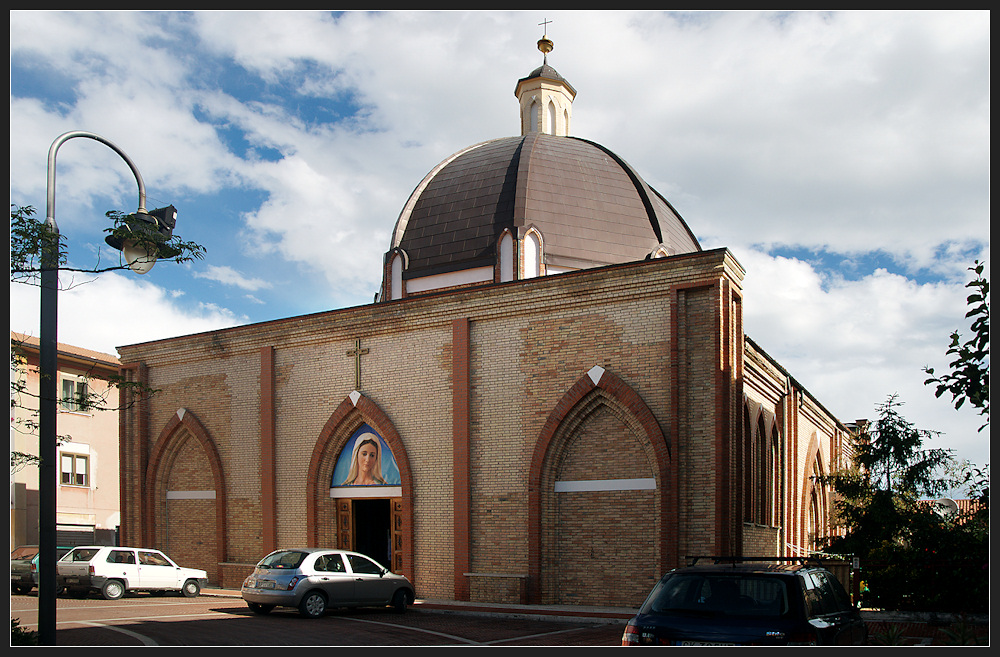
point(704, 643)
point(264, 584)
point(72, 580)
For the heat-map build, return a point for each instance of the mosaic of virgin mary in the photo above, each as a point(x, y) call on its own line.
point(366, 460)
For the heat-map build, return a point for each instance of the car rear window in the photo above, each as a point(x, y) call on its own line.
point(24, 552)
point(80, 554)
point(824, 594)
point(283, 559)
point(722, 594)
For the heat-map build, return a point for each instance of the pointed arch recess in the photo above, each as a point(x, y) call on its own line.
point(184, 421)
point(619, 391)
point(813, 465)
point(354, 411)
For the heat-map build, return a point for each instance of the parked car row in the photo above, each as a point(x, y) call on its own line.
point(24, 567)
point(311, 580)
point(109, 570)
point(725, 602)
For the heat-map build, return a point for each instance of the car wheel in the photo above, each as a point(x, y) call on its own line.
point(191, 589)
point(258, 608)
point(113, 589)
point(399, 601)
point(313, 605)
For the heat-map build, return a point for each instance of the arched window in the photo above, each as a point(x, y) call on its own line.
point(396, 277)
point(550, 118)
point(775, 499)
point(813, 527)
point(761, 474)
point(747, 467)
point(817, 506)
point(532, 254)
point(506, 257)
point(533, 114)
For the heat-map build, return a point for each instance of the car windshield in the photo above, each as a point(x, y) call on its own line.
point(24, 552)
point(283, 560)
point(745, 594)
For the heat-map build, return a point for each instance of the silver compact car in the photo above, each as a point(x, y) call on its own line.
point(316, 579)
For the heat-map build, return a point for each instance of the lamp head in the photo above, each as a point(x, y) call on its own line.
point(142, 237)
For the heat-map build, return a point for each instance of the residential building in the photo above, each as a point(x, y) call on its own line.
point(87, 495)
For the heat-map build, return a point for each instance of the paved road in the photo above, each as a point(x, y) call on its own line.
point(216, 621)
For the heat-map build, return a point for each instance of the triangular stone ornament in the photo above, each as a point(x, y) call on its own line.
point(595, 374)
point(355, 396)
point(180, 413)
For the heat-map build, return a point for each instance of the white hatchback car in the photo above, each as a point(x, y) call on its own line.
point(315, 579)
point(115, 570)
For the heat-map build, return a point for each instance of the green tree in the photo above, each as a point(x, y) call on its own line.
point(969, 376)
point(911, 556)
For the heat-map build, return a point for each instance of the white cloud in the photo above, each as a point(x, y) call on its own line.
point(113, 310)
point(852, 343)
point(840, 132)
point(229, 276)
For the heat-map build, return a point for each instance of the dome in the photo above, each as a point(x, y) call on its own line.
point(538, 204)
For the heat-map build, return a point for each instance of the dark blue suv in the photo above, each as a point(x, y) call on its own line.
point(736, 602)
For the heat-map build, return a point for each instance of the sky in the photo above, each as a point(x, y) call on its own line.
point(843, 158)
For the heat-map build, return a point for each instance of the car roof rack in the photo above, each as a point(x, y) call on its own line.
point(816, 559)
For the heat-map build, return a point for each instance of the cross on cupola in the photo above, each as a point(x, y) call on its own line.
point(545, 97)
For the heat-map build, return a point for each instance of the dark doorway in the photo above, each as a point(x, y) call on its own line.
point(372, 534)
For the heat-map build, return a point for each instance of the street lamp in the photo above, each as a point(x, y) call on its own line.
point(146, 230)
point(142, 239)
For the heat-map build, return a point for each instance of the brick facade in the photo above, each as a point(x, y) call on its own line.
point(492, 401)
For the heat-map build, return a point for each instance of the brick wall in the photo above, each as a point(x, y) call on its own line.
point(660, 329)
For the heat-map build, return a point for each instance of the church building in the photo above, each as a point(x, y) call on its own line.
point(551, 400)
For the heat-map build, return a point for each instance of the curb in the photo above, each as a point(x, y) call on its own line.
point(536, 612)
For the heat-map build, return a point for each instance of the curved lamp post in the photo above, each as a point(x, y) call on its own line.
point(151, 228)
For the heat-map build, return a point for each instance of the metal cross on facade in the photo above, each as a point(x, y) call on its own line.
point(357, 352)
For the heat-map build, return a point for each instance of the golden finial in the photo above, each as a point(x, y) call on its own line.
point(545, 44)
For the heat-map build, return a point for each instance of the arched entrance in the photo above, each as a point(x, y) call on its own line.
point(600, 498)
point(185, 496)
point(360, 487)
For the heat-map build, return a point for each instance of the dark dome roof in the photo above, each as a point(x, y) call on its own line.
point(590, 207)
point(549, 73)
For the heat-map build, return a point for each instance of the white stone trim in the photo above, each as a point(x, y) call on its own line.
point(598, 485)
point(190, 494)
point(451, 279)
point(366, 491)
